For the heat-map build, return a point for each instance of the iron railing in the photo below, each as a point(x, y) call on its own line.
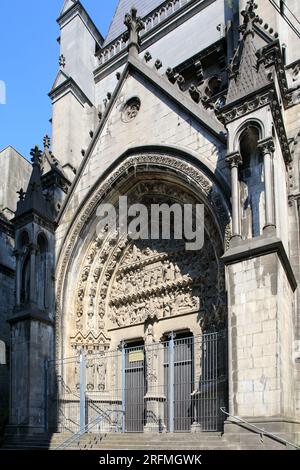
point(262, 432)
point(176, 385)
point(75, 437)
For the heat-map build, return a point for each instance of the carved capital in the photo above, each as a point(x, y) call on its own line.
point(234, 159)
point(266, 146)
point(294, 198)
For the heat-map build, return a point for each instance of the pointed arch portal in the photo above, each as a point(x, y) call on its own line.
point(160, 306)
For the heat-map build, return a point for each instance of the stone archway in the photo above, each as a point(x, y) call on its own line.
point(124, 290)
point(121, 283)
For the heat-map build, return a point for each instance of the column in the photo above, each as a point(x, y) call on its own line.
point(154, 397)
point(266, 147)
point(234, 160)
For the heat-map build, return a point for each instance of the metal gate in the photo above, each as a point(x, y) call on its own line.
point(134, 388)
point(181, 377)
point(177, 385)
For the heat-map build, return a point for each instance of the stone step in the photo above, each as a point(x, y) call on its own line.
point(128, 441)
point(187, 436)
point(177, 441)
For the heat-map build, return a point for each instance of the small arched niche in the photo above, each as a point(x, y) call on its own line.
point(41, 270)
point(23, 240)
point(252, 182)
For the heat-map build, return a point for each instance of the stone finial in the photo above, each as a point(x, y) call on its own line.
point(36, 155)
point(234, 159)
point(250, 17)
point(134, 25)
point(21, 194)
point(46, 142)
point(62, 61)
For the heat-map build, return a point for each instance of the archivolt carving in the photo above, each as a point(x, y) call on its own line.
point(166, 287)
point(124, 283)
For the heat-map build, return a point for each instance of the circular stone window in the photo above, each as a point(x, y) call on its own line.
point(131, 109)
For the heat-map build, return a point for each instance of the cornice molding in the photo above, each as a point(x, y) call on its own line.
point(33, 216)
point(30, 313)
point(261, 246)
point(69, 85)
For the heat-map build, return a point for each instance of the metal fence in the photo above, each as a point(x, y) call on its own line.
point(178, 385)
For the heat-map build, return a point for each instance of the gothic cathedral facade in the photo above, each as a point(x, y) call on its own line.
point(188, 102)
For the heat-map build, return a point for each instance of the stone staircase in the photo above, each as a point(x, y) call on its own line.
point(134, 441)
point(144, 442)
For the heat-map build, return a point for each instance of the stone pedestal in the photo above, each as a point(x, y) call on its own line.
point(154, 413)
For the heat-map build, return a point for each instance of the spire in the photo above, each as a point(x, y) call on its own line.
point(33, 200)
point(134, 25)
point(49, 162)
point(245, 74)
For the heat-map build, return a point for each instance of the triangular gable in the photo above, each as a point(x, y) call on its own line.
point(246, 75)
point(184, 106)
point(61, 77)
point(67, 5)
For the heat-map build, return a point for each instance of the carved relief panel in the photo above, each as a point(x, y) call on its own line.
point(124, 282)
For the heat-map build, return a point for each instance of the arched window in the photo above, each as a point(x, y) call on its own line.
point(41, 271)
point(252, 183)
point(23, 240)
point(25, 268)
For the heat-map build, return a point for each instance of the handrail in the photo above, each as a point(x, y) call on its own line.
point(261, 431)
point(83, 431)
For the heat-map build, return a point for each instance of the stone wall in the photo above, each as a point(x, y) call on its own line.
point(15, 172)
point(261, 337)
point(7, 285)
point(6, 306)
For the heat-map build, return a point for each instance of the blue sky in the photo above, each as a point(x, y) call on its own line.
point(29, 62)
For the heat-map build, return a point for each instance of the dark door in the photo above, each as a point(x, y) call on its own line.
point(183, 383)
point(134, 388)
